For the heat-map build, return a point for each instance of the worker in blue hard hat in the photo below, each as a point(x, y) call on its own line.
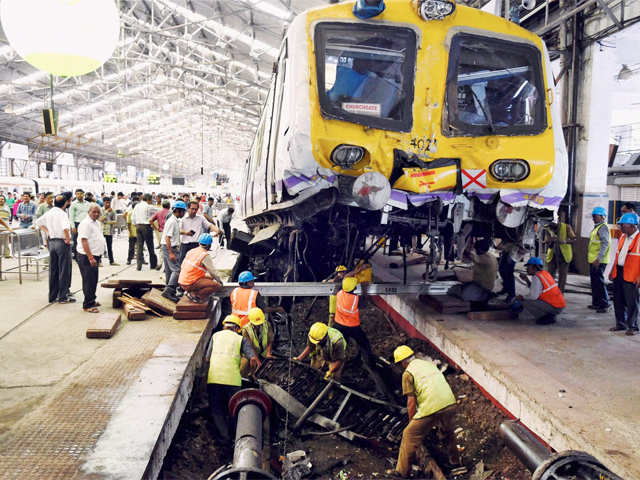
point(245, 297)
point(625, 275)
point(198, 276)
point(598, 256)
point(545, 300)
point(170, 248)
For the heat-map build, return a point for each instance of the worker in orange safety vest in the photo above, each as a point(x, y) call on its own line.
point(625, 275)
point(347, 317)
point(545, 300)
point(198, 277)
point(245, 297)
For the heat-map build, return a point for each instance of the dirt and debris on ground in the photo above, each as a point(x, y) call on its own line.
point(196, 453)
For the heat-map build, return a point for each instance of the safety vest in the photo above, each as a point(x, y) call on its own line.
point(565, 248)
point(631, 269)
point(433, 393)
point(347, 313)
point(551, 294)
point(243, 300)
point(260, 344)
point(224, 368)
point(192, 269)
point(594, 245)
point(334, 343)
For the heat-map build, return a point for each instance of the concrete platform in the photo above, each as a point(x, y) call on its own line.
point(72, 407)
point(574, 383)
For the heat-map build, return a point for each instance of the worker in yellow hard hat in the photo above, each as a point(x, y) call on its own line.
point(362, 273)
point(347, 317)
point(329, 349)
point(430, 402)
point(225, 351)
point(259, 333)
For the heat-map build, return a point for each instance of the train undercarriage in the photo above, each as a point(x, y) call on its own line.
point(305, 241)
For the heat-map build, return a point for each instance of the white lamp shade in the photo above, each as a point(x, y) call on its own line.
point(62, 37)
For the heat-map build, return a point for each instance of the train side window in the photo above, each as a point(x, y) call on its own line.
point(365, 73)
point(494, 86)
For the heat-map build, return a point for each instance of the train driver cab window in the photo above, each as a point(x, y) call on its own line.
point(493, 87)
point(365, 73)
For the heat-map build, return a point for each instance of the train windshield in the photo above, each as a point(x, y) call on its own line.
point(493, 86)
point(365, 73)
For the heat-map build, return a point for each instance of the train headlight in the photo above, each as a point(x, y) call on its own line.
point(346, 156)
point(512, 170)
point(435, 9)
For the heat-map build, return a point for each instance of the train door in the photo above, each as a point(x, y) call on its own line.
point(256, 191)
point(278, 125)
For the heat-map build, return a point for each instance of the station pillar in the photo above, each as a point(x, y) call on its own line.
point(597, 81)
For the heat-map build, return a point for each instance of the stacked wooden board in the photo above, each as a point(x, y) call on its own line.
point(138, 298)
point(446, 303)
point(188, 310)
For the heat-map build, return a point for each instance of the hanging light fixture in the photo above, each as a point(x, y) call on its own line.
point(62, 37)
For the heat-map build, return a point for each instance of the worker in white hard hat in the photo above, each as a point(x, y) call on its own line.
point(430, 402)
point(225, 352)
point(259, 334)
point(327, 347)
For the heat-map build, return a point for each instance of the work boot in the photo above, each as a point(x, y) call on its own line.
point(546, 320)
point(170, 294)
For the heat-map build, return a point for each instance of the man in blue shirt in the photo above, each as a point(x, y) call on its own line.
point(26, 211)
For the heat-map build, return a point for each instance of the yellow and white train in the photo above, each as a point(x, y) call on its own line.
point(379, 124)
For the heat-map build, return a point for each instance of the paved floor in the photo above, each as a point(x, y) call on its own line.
point(574, 383)
point(72, 407)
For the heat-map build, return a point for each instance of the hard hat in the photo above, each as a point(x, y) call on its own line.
point(630, 218)
point(179, 204)
point(341, 268)
point(599, 211)
point(246, 276)
point(233, 320)
point(402, 353)
point(349, 284)
point(534, 261)
point(317, 332)
point(256, 316)
point(205, 239)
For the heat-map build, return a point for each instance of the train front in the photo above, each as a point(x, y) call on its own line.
point(420, 103)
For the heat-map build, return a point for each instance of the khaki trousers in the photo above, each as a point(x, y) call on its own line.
point(414, 433)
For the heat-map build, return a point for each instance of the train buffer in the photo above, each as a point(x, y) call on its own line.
point(319, 289)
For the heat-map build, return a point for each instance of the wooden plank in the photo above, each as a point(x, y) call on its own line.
point(446, 303)
point(490, 315)
point(103, 325)
point(154, 299)
point(133, 281)
point(134, 313)
point(111, 284)
point(116, 302)
point(191, 315)
point(186, 305)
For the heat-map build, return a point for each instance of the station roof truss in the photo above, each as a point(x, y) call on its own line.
point(187, 77)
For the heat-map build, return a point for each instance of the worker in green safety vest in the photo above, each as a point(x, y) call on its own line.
point(328, 348)
point(225, 351)
point(430, 402)
point(259, 333)
point(598, 256)
point(559, 238)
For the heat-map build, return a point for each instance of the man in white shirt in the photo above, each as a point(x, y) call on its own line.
point(626, 276)
point(91, 246)
point(57, 229)
point(193, 225)
point(170, 247)
point(141, 215)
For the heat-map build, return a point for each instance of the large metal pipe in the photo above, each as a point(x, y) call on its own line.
point(249, 407)
point(524, 445)
point(547, 465)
